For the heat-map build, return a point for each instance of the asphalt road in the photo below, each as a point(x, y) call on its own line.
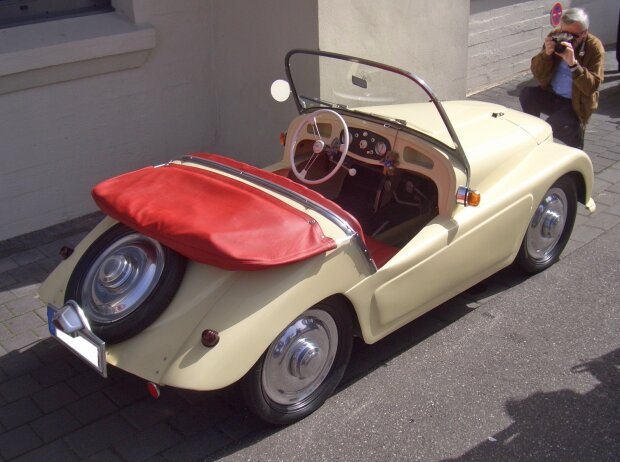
point(533, 374)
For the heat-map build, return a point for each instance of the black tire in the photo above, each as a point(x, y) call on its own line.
point(124, 281)
point(266, 393)
point(550, 228)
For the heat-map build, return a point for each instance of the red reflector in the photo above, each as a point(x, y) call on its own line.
point(65, 252)
point(153, 389)
point(209, 338)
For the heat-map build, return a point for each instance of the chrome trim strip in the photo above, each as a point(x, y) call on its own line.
point(337, 220)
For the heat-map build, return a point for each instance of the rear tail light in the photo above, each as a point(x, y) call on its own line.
point(65, 252)
point(153, 390)
point(209, 338)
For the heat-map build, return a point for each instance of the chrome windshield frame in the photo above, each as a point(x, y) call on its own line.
point(457, 151)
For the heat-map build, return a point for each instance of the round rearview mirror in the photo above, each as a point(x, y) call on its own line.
point(280, 90)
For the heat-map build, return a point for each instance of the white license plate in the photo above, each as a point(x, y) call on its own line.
point(83, 343)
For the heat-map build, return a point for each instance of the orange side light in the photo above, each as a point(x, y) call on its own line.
point(473, 198)
point(283, 138)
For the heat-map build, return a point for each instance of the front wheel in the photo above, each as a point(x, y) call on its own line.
point(550, 227)
point(302, 367)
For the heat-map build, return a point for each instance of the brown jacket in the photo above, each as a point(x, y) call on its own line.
point(586, 78)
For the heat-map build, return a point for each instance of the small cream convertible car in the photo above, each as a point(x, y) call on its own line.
point(386, 203)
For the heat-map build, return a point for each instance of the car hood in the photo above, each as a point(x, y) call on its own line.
point(355, 85)
point(492, 136)
point(472, 120)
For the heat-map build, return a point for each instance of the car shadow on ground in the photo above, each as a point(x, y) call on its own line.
point(561, 425)
point(516, 91)
point(367, 358)
point(51, 395)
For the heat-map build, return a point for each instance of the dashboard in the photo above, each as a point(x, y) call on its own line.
point(367, 144)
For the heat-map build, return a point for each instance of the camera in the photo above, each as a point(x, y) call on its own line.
point(562, 37)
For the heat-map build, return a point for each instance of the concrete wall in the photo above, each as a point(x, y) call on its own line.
point(505, 34)
point(250, 45)
point(425, 37)
point(59, 139)
point(603, 17)
point(87, 98)
point(79, 104)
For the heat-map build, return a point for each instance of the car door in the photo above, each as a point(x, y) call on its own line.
point(449, 255)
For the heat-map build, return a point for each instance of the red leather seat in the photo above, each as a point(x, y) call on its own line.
point(381, 253)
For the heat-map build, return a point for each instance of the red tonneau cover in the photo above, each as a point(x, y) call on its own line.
point(212, 218)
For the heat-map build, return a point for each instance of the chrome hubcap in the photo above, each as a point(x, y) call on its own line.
point(300, 359)
point(547, 225)
point(122, 277)
point(115, 271)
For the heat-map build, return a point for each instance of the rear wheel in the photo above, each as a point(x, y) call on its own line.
point(124, 281)
point(302, 367)
point(550, 227)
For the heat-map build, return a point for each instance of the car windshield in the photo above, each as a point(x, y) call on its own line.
point(343, 83)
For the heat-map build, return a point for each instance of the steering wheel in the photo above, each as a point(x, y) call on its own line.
point(319, 147)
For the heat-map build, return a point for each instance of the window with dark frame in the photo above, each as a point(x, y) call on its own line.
point(20, 12)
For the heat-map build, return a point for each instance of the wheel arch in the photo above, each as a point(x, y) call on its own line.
point(247, 309)
point(347, 305)
point(580, 184)
point(231, 359)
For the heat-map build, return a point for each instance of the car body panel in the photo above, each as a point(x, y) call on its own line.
point(511, 162)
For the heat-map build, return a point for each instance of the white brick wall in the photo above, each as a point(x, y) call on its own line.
point(503, 39)
point(505, 34)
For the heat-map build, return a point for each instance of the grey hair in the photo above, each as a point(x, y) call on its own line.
point(576, 15)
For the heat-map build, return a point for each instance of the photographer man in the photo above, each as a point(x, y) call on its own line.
point(569, 70)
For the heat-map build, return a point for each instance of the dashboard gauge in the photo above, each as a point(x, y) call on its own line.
point(381, 148)
point(342, 137)
point(367, 144)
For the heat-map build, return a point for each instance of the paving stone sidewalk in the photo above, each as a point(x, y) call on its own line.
point(52, 406)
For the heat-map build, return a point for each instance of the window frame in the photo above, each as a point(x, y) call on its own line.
point(23, 12)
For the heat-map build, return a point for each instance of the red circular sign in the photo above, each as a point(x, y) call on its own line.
point(555, 14)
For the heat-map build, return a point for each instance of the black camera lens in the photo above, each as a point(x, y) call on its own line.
point(559, 48)
point(562, 37)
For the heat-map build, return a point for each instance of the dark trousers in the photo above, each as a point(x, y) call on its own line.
point(562, 118)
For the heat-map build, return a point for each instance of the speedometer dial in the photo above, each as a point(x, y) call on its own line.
point(380, 149)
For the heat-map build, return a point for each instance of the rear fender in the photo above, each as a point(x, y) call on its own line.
point(53, 288)
point(247, 309)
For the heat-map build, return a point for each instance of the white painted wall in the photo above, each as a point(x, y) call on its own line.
point(87, 98)
point(94, 105)
point(603, 17)
point(505, 34)
point(425, 37)
point(250, 43)
point(58, 140)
